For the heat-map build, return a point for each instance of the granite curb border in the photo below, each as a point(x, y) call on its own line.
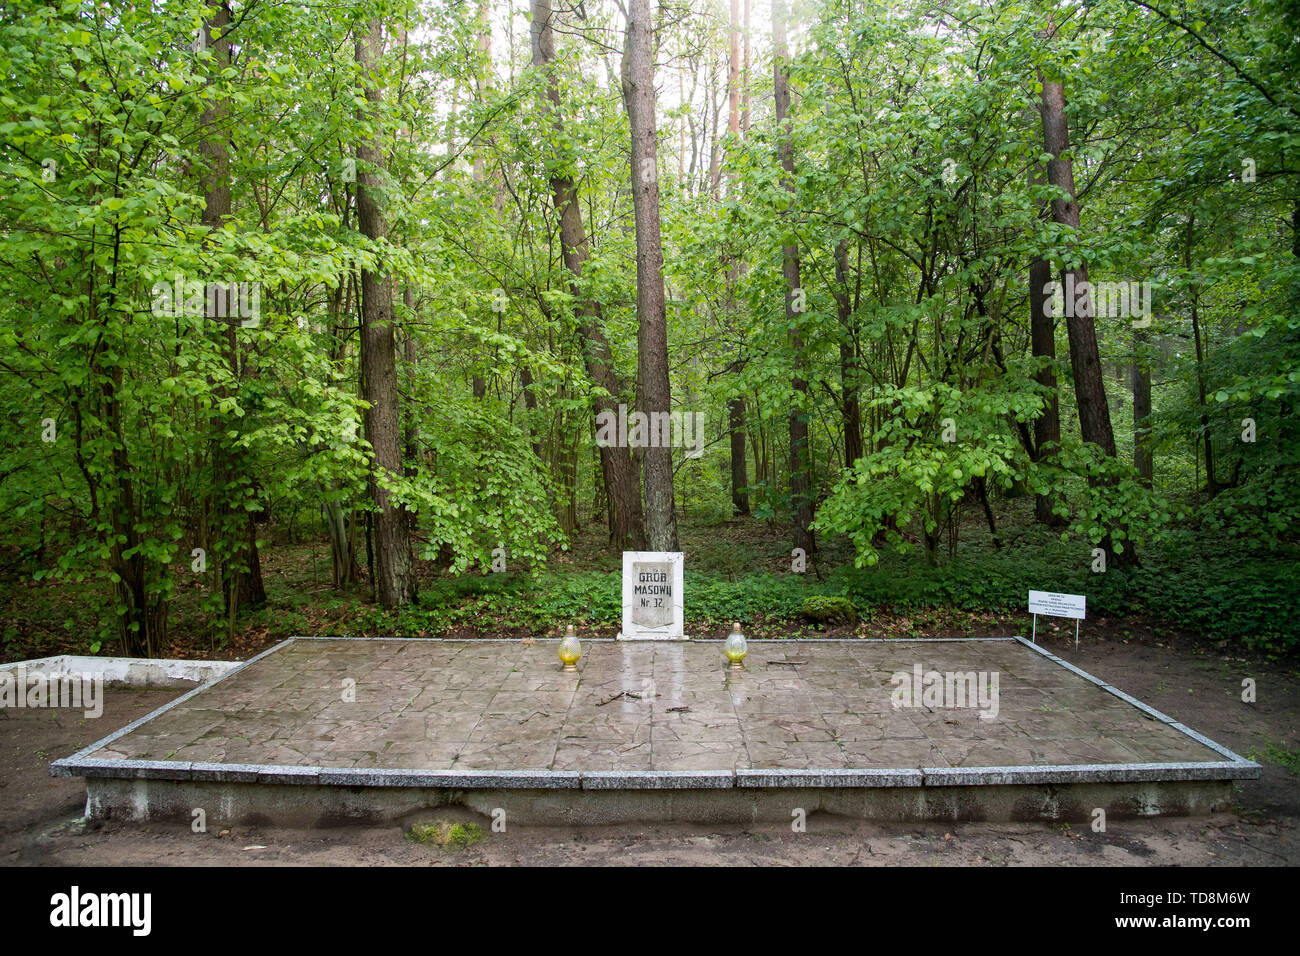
point(1233, 758)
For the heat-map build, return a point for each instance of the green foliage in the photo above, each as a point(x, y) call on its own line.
point(938, 443)
point(441, 833)
point(1220, 593)
point(914, 207)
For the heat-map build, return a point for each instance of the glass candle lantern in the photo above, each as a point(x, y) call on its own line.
point(735, 648)
point(570, 649)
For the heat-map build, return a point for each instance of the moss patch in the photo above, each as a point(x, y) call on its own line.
point(829, 609)
point(445, 834)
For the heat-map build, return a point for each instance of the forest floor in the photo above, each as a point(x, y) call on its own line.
point(40, 816)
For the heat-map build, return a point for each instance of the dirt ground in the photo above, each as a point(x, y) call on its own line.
point(40, 816)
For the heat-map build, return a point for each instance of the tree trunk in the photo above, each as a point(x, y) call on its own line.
point(1089, 385)
point(1143, 459)
point(622, 491)
point(1047, 427)
point(711, 131)
point(851, 406)
point(735, 404)
point(1211, 483)
point(411, 432)
point(733, 71)
point(744, 83)
point(739, 456)
point(411, 428)
point(143, 625)
point(395, 581)
point(800, 466)
point(653, 392)
point(343, 533)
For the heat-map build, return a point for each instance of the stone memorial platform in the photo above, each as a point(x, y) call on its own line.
point(326, 730)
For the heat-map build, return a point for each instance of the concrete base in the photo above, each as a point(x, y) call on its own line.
point(253, 804)
point(319, 731)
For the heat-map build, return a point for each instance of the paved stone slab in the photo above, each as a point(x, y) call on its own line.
point(667, 716)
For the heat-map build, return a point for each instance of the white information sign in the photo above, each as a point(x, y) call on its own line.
point(1055, 604)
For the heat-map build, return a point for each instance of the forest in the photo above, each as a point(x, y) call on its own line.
point(409, 316)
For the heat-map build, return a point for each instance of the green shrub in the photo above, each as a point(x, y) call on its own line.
point(829, 609)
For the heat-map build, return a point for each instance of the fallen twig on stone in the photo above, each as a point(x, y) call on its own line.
point(622, 693)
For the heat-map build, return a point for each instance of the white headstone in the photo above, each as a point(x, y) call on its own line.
point(653, 604)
